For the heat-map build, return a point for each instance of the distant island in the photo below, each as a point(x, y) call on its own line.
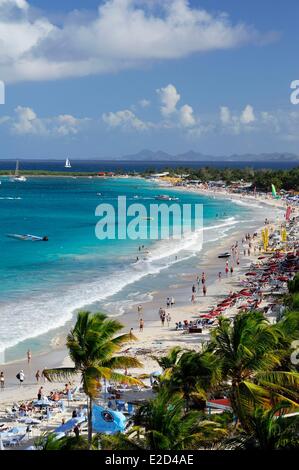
point(192, 156)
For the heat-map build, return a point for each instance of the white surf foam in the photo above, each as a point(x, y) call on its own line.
point(44, 312)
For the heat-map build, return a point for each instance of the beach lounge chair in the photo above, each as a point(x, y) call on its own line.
point(131, 409)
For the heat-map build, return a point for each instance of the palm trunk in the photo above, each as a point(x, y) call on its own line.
point(89, 410)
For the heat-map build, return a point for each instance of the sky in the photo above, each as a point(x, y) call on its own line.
point(100, 79)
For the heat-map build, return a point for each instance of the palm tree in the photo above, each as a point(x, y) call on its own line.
point(50, 442)
point(170, 360)
point(250, 352)
point(93, 346)
point(162, 424)
point(194, 375)
point(268, 430)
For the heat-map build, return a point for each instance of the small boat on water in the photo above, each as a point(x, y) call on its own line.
point(165, 197)
point(28, 237)
point(17, 177)
point(67, 164)
point(224, 255)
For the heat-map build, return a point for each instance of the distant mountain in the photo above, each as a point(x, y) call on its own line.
point(191, 156)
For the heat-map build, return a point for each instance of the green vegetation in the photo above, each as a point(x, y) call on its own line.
point(248, 360)
point(260, 178)
point(92, 346)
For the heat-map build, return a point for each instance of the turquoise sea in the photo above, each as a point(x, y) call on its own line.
point(43, 283)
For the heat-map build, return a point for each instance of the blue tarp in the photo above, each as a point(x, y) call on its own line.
point(107, 421)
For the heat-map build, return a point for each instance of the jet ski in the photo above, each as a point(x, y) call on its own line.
point(28, 237)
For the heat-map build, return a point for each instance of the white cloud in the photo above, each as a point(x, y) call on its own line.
point(123, 34)
point(68, 124)
point(187, 118)
point(144, 103)
point(225, 115)
point(169, 98)
point(26, 122)
point(125, 119)
point(236, 123)
point(247, 115)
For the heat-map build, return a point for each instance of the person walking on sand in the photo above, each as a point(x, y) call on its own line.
point(193, 289)
point(226, 270)
point(163, 318)
point(40, 393)
point(37, 376)
point(21, 376)
point(168, 319)
point(29, 356)
point(172, 301)
point(231, 270)
point(193, 298)
point(219, 275)
point(2, 381)
point(168, 302)
point(203, 278)
point(204, 290)
point(141, 325)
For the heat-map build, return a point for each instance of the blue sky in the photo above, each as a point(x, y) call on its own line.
point(94, 79)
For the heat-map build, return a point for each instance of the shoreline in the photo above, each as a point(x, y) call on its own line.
point(153, 337)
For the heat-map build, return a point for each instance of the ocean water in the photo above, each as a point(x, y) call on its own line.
point(42, 284)
point(133, 166)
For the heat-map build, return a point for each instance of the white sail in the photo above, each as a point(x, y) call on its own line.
point(17, 176)
point(67, 164)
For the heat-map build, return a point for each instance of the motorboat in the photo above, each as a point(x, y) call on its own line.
point(28, 237)
point(166, 197)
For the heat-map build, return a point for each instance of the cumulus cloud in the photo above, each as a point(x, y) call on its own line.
point(125, 119)
point(26, 122)
point(122, 34)
point(187, 118)
point(247, 115)
point(169, 98)
point(225, 115)
point(235, 123)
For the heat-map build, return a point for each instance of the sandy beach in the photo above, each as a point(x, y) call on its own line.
point(155, 339)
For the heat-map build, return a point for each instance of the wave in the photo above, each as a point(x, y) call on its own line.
point(42, 313)
point(10, 198)
point(247, 203)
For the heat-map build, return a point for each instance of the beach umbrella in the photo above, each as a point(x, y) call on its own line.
point(251, 274)
point(262, 257)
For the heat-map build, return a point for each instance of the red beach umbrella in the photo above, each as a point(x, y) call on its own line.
point(283, 278)
point(251, 274)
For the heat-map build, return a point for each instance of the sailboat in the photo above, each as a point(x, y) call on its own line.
point(67, 164)
point(17, 176)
